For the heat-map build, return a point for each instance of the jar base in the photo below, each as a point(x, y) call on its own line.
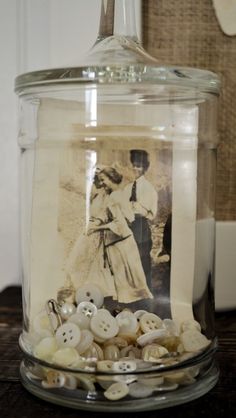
point(92, 401)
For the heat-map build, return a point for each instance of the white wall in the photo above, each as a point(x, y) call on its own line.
point(34, 34)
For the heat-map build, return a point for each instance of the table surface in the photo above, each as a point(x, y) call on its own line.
point(16, 402)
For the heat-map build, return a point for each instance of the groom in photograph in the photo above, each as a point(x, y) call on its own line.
point(143, 199)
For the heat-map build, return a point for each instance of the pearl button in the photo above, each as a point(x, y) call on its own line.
point(150, 322)
point(127, 366)
point(153, 352)
point(104, 365)
point(82, 321)
point(130, 351)
point(66, 310)
point(90, 293)
point(166, 387)
point(104, 325)
point(118, 341)
point(175, 377)
point(68, 335)
point(151, 336)
point(116, 391)
point(46, 348)
point(93, 353)
point(139, 390)
point(66, 357)
point(87, 382)
point(86, 340)
point(125, 378)
point(190, 324)
point(54, 380)
point(87, 309)
point(193, 341)
point(111, 352)
point(139, 313)
point(151, 381)
point(127, 322)
point(70, 382)
point(41, 325)
point(171, 327)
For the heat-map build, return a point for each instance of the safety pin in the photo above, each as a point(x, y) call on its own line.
point(53, 312)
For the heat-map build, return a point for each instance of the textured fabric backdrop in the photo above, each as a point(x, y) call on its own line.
point(186, 32)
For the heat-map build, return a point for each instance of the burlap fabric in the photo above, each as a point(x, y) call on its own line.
point(186, 32)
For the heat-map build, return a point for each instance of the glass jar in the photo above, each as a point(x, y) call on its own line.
point(118, 165)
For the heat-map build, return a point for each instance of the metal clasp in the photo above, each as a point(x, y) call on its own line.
point(53, 312)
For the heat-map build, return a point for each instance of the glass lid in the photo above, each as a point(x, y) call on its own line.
point(118, 57)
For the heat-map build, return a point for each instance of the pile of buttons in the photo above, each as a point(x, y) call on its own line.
point(79, 333)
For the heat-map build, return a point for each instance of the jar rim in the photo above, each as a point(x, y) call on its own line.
point(189, 77)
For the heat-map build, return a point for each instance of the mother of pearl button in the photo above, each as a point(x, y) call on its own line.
point(66, 310)
point(46, 348)
point(116, 391)
point(66, 357)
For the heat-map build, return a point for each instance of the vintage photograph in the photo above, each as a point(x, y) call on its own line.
point(115, 220)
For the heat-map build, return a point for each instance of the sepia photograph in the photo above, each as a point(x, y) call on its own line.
point(115, 220)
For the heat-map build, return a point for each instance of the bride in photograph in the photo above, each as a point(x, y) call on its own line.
point(116, 266)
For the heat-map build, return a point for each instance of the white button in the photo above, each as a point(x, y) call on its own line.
point(171, 327)
point(116, 391)
point(93, 353)
point(175, 377)
point(46, 348)
point(41, 325)
point(166, 387)
point(130, 351)
point(125, 378)
point(127, 366)
point(127, 322)
point(66, 310)
point(187, 380)
point(104, 365)
point(143, 365)
point(151, 381)
point(90, 293)
point(118, 341)
point(86, 382)
point(97, 347)
point(82, 321)
point(111, 352)
point(193, 371)
point(99, 340)
point(171, 343)
point(139, 390)
point(68, 335)
point(139, 313)
point(54, 380)
point(104, 325)
point(86, 340)
point(150, 322)
point(190, 324)
point(151, 336)
point(87, 309)
point(67, 357)
point(153, 352)
point(70, 382)
point(193, 341)
point(130, 338)
point(105, 381)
